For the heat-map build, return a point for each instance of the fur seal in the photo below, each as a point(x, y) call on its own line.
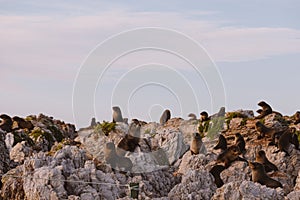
point(116, 161)
point(216, 171)
point(266, 110)
point(259, 175)
point(261, 158)
point(284, 142)
point(222, 143)
point(230, 155)
point(192, 116)
point(297, 117)
point(197, 145)
point(130, 141)
point(294, 138)
point(117, 114)
point(6, 124)
point(240, 142)
point(263, 130)
point(165, 117)
point(22, 124)
point(204, 116)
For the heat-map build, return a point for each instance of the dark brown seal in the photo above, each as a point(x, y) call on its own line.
point(22, 123)
point(240, 142)
point(265, 110)
point(230, 155)
point(165, 117)
point(259, 175)
point(261, 158)
point(216, 171)
point(222, 143)
point(6, 124)
point(204, 116)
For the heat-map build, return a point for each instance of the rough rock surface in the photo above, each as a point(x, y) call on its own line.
point(54, 161)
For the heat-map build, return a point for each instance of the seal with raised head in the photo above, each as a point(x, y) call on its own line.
point(117, 114)
point(261, 158)
point(284, 142)
point(222, 143)
point(197, 145)
point(266, 110)
point(22, 123)
point(230, 155)
point(240, 142)
point(6, 124)
point(294, 138)
point(297, 117)
point(216, 171)
point(165, 117)
point(259, 175)
point(204, 116)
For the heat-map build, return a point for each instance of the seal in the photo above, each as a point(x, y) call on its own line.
point(297, 117)
point(6, 124)
point(230, 155)
point(165, 117)
point(259, 175)
point(122, 163)
point(284, 142)
point(204, 116)
point(117, 114)
point(261, 158)
point(192, 116)
point(264, 130)
point(294, 138)
point(222, 143)
point(197, 145)
point(22, 124)
point(130, 141)
point(240, 142)
point(266, 110)
point(216, 171)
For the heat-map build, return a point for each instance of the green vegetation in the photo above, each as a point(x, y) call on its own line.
point(38, 132)
point(105, 127)
point(244, 122)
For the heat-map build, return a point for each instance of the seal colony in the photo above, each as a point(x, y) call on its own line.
point(231, 148)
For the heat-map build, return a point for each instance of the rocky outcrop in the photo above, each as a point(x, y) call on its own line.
point(54, 161)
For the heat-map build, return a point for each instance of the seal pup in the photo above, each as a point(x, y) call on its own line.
point(204, 116)
point(6, 124)
point(266, 110)
point(261, 158)
point(22, 124)
point(117, 114)
point(197, 145)
point(130, 141)
point(192, 116)
point(240, 142)
point(222, 143)
point(165, 117)
point(230, 155)
point(259, 175)
point(216, 171)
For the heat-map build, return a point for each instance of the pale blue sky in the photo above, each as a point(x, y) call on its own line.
point(43, 45)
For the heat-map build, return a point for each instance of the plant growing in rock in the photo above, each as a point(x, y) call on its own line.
point(105, 127)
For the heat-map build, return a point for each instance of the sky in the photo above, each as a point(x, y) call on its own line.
point(251, 47)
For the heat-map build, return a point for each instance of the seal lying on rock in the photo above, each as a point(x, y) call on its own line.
point(116, 161)
point(22, 124)
point(230, 155)
point(259, 175)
